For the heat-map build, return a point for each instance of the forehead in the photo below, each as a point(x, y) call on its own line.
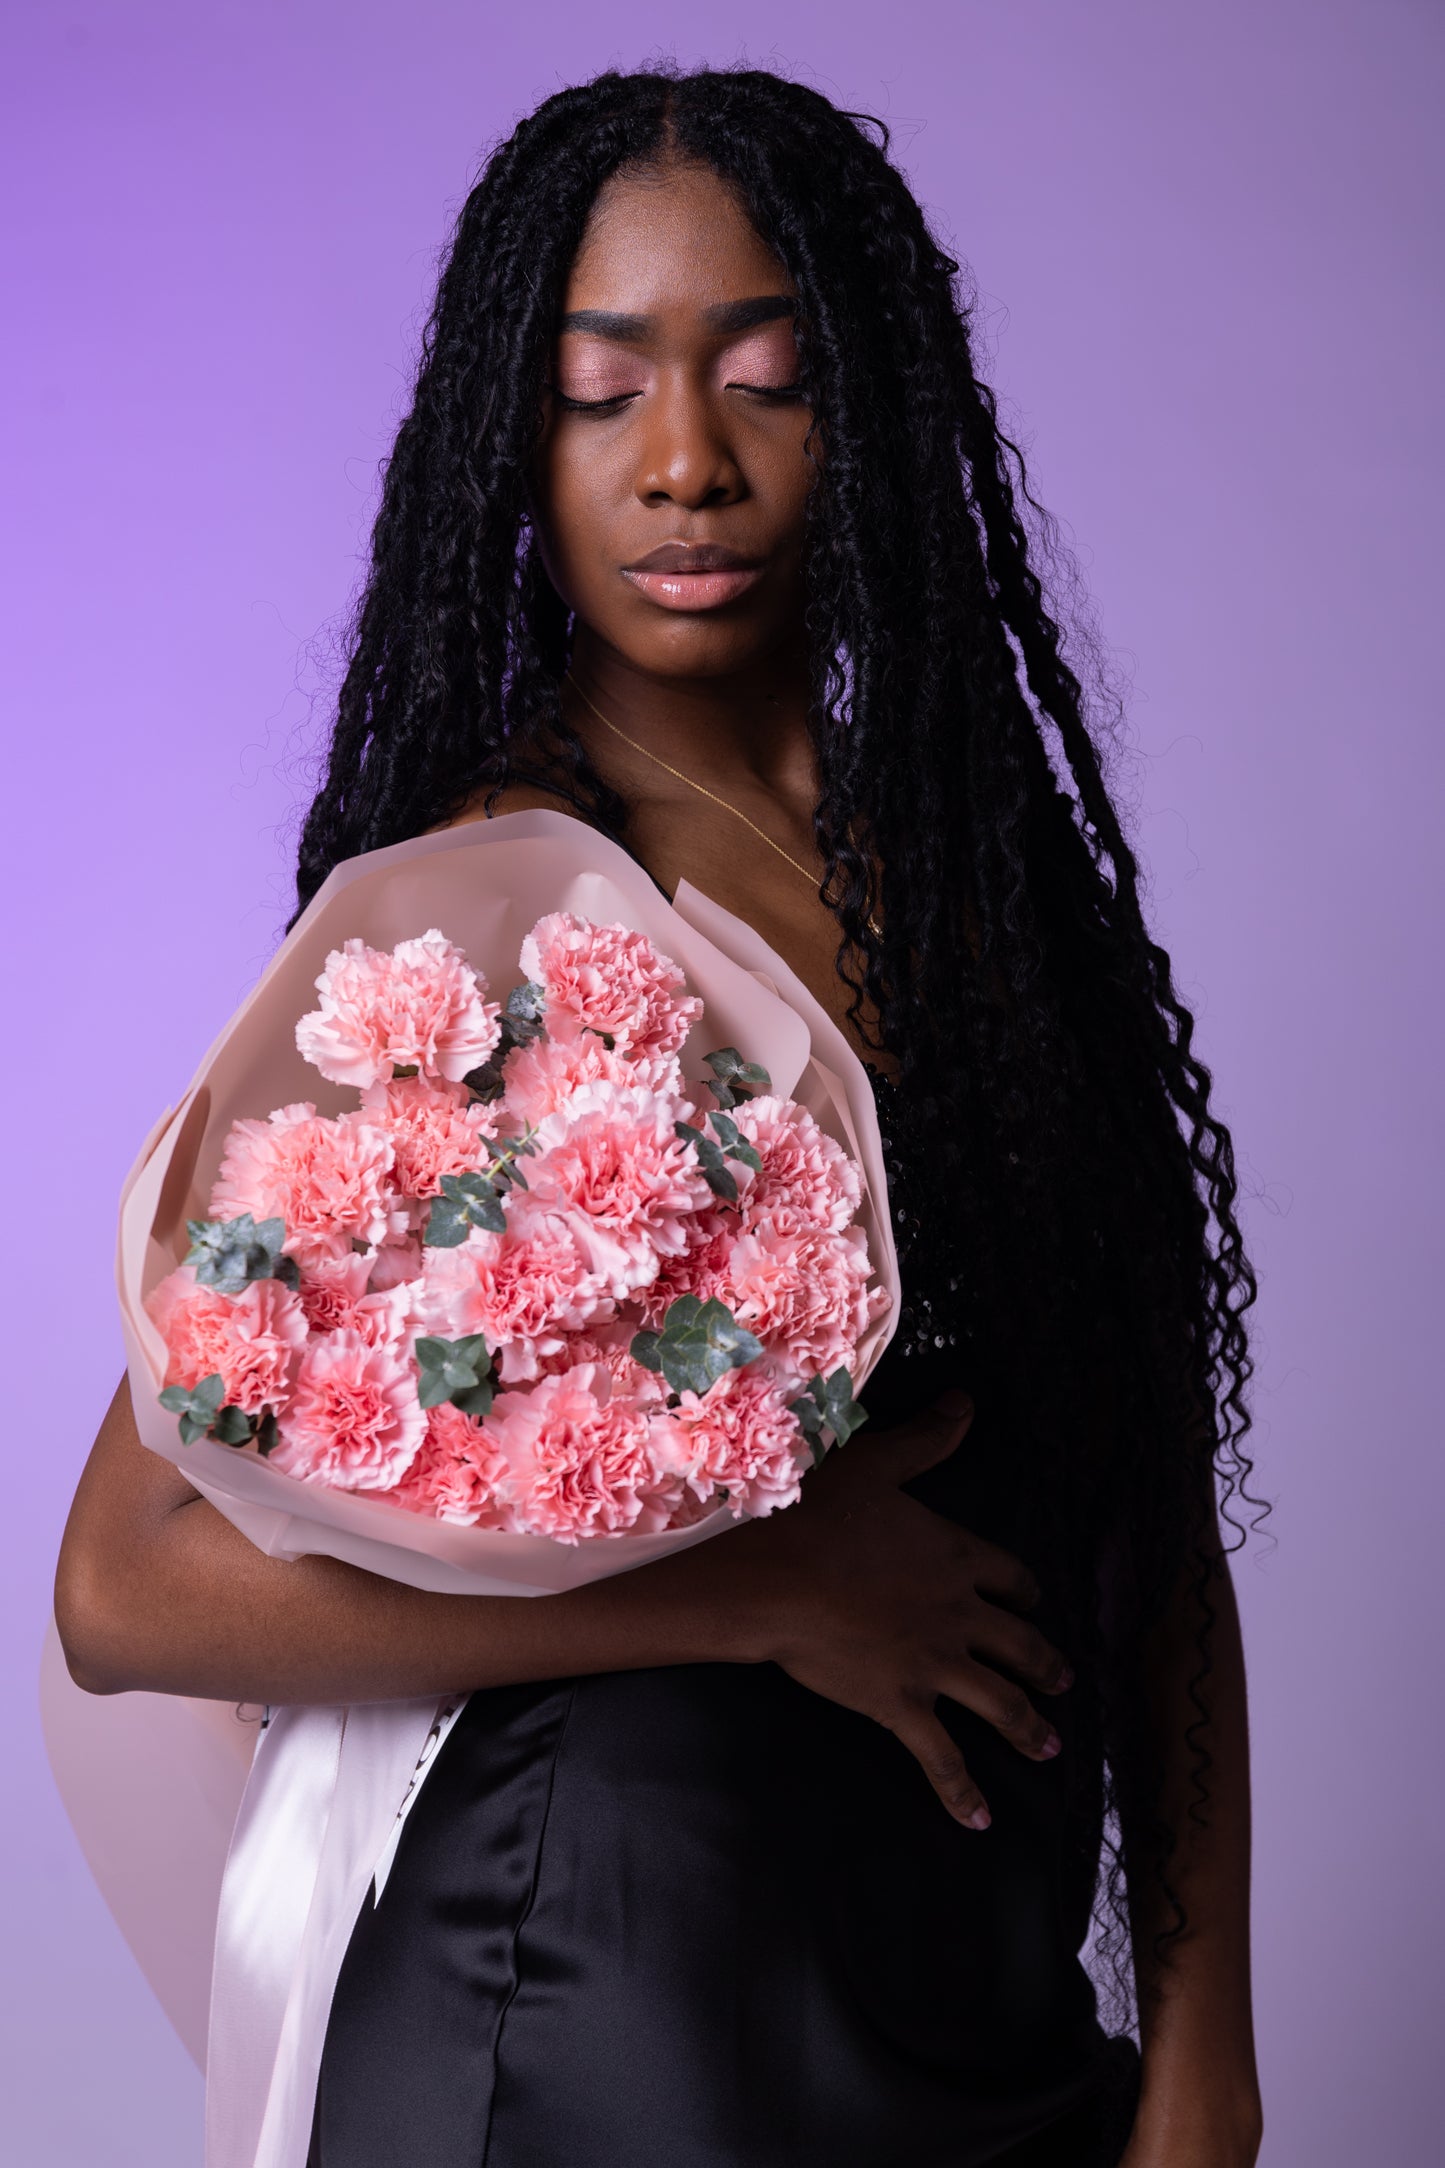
point(669, 241)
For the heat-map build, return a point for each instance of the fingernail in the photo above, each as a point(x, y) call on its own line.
point(1066, 1679)
point(955, 1403)
point(979, 1819)
point(1051, 1746)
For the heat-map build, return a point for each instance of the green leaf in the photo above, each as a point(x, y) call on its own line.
point(196, 1405)
point(233, 1427)
point(734, 1143)
point(735, 1078)
point(829, 1405)
point(467, 1201)
point(522, 1017)
point(645, 1349)
point(459, 1371)
point(700, 1342)
point(714, 1168)
point(268, 1433)
point(229, 1254)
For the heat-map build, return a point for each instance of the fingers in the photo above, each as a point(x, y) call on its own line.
point(1008, 1708)
point(928, 1438)
point(918, 1728)
point(997, 1573)
point(1002, 1639)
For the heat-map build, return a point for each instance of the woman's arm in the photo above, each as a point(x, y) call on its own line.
point(1200, 2104)
point(859, 1591)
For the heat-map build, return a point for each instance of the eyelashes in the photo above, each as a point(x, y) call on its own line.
point(781, 393)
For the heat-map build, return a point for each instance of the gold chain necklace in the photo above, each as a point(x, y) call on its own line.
point(700, 788)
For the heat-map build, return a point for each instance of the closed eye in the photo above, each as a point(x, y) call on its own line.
point(593, 406)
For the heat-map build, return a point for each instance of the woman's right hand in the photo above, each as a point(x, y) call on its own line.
point(881, 1604)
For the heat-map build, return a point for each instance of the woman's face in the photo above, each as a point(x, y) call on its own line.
point(670, 480)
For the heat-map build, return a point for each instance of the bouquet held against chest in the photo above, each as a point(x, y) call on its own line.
point(521, 1228)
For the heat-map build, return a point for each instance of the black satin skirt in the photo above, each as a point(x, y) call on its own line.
point(698, 1917)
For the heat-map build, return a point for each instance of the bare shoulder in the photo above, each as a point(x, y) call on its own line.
point(516, 798)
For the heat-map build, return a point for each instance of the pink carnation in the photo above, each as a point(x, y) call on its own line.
point(580, 1460)
point(803, 1167)
point(698, 1270)
point(741, 1437)
point(329, 1181)
point(611, 1346)
point(253, 1339)
point(354, 1420)
point(542, 1075)
point(611, 1162)
point(457, 1473)
point(433, 1130)
point(605, 979)
point(523, 1290)
point(397, 1262)
point(419, 1006)
point(804, 1293)
point(331, 1287)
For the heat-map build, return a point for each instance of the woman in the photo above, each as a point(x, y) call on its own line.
point(784, 1850)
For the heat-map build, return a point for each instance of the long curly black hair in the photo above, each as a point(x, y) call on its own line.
point(963, 809)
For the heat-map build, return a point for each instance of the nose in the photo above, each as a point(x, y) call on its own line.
point(687, 457)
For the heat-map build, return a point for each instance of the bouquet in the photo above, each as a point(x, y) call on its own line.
point(533, 1281)
point(517, 1274)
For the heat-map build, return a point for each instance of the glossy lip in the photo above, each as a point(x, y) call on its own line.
point(692, 575)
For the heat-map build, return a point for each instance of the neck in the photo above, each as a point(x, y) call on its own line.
point(749, 729)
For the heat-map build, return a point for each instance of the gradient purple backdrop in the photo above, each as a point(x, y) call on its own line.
point(1203, 240)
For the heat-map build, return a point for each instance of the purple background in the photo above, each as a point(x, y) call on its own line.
point(1204, 239)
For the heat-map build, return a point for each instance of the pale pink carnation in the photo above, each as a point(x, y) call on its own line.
point(580, 1460)
point(698, 1270)
point(611, 1162)
point(433, 1130)
point(803, 1167)
point(740, 1437)
point(337, 1294)
point(331, 1287)
point(253, 1339)
point(329, 1181)
point(611, 1346)
point(418, 1006)
point(606, 979)
point(396, 1262)
point(524, 1290)
point(804, 1293)
point(543, 1074)
point(457, 1475)
point(354, 1421)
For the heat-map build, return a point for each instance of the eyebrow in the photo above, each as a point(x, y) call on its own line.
point(726, 316)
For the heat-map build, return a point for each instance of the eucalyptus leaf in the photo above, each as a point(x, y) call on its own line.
point(829, 1405)
point(645, 1348)
point(735, 1078)
point(700, 1342)
point(229, 1254)
point(522, 1017)
point(459, 1371)
point(715, 1171)
point(734, 1143)
point(196, 1405)
point(268, 1433)
point(233, 1426)
point(466, 1201)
